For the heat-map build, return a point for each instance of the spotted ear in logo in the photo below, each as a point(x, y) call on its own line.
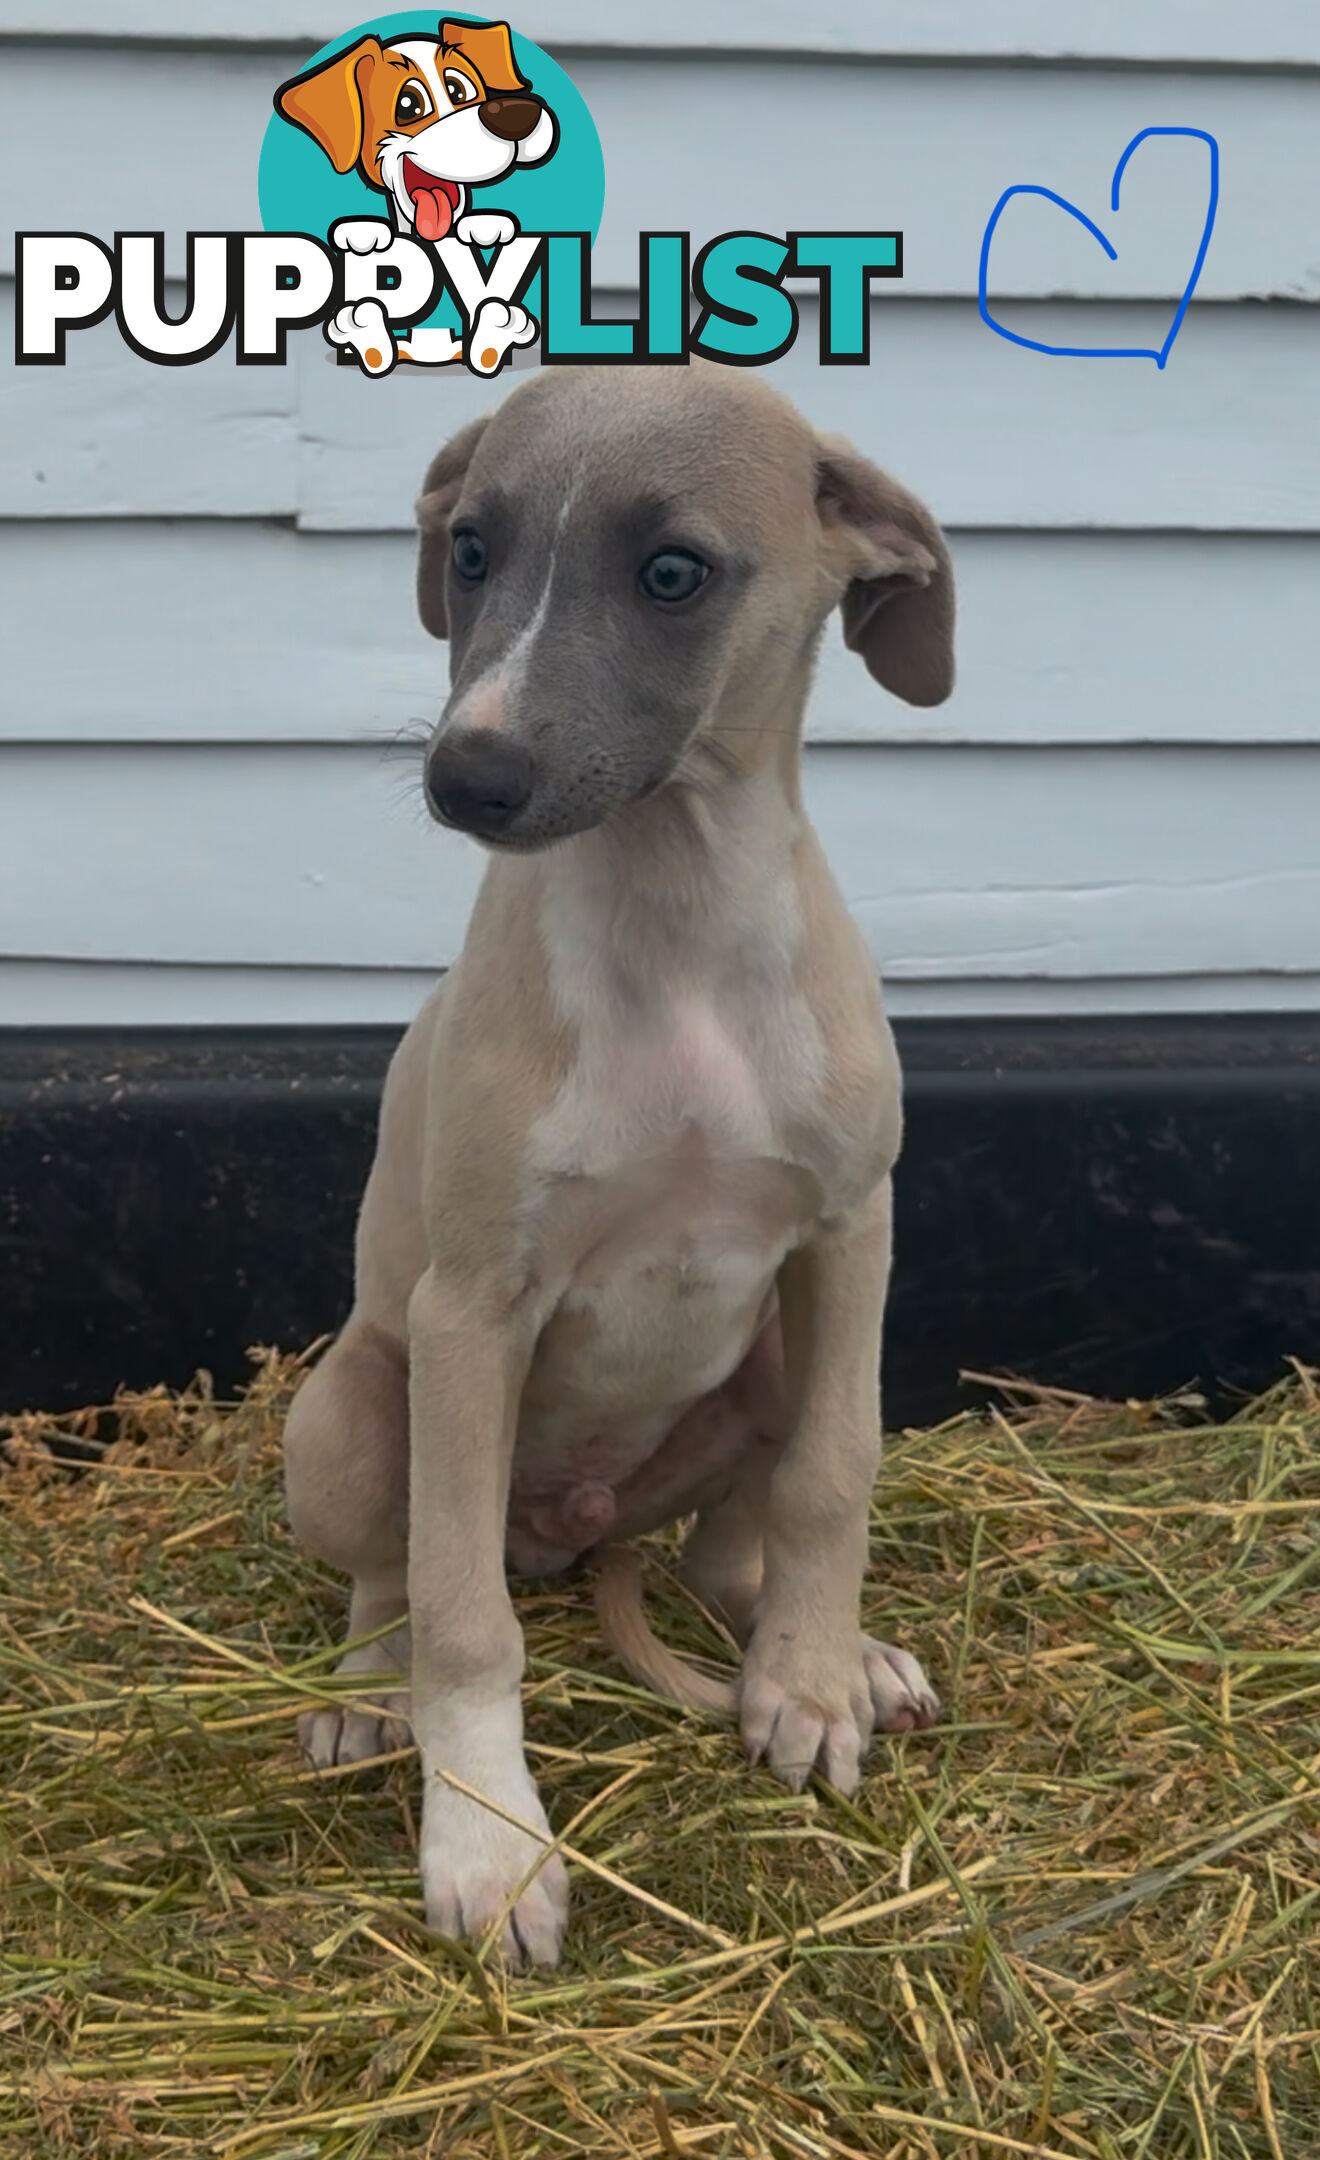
point(1159, 354)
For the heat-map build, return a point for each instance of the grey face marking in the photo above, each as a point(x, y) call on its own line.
point(604, 556)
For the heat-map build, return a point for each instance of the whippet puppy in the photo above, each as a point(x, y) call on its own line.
point(624, 1248)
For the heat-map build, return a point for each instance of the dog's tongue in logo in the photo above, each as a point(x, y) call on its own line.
point(433, 213)
point(434, 201)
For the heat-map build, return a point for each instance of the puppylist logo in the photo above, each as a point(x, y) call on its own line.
point(456, 175)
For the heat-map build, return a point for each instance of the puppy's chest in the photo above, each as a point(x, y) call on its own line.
point(703, 1084)
point(665, 1194)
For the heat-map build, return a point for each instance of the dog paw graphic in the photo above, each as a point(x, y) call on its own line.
point(362, 325)
point(429, 347)
point(497, 325)
point(485, 228)
point(362, 236)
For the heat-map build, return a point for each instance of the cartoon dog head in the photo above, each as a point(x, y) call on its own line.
point(424, 118)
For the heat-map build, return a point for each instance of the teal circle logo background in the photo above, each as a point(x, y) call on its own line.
point(298, 189)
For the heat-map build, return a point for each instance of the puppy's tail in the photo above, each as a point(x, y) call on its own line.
point(627, 1633)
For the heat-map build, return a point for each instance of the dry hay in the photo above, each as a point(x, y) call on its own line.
point(1078, 1919)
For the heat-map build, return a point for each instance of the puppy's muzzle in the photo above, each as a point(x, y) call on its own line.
point(510, 118)
point(478, 783)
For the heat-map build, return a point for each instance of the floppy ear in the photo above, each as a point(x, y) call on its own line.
point(489, 48)
point(898, 604)
point(440, 491)
point(327, 103)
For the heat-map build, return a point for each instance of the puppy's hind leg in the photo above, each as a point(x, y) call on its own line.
point(346, 1481)
point(723, 1559)
point(724, 1556)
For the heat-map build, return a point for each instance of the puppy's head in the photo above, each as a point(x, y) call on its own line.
point(424, 118)
point(633, 567)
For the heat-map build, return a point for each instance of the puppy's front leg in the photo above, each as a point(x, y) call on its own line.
point(813, 1689)
point(468, 1364)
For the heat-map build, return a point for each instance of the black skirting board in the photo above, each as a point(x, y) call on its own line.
point(1126, 1206)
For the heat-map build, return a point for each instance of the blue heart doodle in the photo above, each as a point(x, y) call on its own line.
point(1107, 352)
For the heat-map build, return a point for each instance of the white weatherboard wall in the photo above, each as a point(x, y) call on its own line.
point(206, 573)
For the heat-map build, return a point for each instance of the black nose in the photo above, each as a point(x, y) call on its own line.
point(511, 118)
point(478, 783)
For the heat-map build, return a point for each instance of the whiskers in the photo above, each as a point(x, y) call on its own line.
point(404, 750)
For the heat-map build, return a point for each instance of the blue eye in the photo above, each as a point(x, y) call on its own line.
point(672, 575)
point(469, 553)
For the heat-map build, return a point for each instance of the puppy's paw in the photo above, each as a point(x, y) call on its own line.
point(802, 1711)
point(486, 228)
point(377, 1721)
point(362, 326)
point(496, 326)
point(362, 236)
point(333, 1736)
point(902, 1698)
point(472, 1862)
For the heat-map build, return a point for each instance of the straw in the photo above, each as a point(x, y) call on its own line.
point(1077, 1921)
